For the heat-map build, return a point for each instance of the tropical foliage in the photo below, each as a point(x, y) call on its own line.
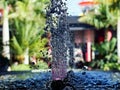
point(105, 16)
point(115, 5)
point(102, 18)
point(27, 20)
point(107, 55)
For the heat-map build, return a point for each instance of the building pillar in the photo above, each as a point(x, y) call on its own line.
point(88, 53)
point(88, 41)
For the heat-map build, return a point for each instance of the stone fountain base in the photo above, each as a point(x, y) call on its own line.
point(80, 80)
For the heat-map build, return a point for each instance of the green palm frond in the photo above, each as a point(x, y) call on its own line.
point(102, 19)
point(15, 47)
point(113, 44)
point(29, 24)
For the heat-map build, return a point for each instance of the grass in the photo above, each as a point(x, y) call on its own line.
point(20, 67)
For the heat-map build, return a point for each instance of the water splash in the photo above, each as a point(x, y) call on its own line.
point(57, 25)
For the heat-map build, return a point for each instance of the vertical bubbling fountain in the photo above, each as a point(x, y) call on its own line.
point(57, 25)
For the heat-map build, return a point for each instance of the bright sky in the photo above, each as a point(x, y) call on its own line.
point(74, 8)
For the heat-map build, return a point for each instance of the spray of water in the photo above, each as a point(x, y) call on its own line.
point(57, 25)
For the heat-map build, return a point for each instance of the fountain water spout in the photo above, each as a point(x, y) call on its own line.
point(57, 25)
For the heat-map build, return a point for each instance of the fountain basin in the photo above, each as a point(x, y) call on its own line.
point(87, 80)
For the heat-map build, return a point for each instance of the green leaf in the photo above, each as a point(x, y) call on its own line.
point(113, 44)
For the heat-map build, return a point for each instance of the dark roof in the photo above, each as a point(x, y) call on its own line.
point(75, 24)
point(73, 19)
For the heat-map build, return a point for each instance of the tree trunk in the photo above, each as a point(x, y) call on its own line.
point(5, 33)
point(26, 56)
point(118, 39)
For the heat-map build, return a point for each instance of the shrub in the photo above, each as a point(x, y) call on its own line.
point(20, 67)
point(39, 65)
point(111, 66)
point(107, 58)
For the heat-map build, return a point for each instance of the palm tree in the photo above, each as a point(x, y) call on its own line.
point(103, 18)
point(28, 23)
